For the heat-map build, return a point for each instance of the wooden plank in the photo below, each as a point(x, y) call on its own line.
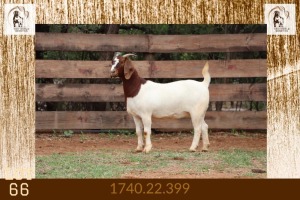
point(238, 92)
point(114, 93)
point(72, 69)
point(151, 43)
point(122, 120)
point(90, 42)
point(153, 69)
point(79, 93)
point(209, 43)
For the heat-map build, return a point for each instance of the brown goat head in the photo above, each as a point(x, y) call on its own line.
point(122, 66)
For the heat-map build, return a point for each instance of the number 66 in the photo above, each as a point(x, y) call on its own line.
point(13, 189)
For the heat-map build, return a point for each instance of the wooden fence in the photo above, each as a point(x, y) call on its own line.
point(148, 69)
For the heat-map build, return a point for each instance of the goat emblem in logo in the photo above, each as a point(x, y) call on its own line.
point(18, 20)
point(278, 21)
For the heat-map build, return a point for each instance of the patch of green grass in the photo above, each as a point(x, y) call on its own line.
point(242, 162)
point(83, 137)
point(241, 158)
point(68, 133)
point(116, 163)
point(238, 133)
point(113, 134)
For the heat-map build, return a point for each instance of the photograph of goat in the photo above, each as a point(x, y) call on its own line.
point(147, 99)
point(135, 101)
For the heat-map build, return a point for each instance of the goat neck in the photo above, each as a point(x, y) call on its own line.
point(132, 85)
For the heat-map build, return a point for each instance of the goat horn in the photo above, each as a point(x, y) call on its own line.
point(129, 54)
point(117, 54)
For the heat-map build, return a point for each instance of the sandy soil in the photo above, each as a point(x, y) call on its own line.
point(49, 144)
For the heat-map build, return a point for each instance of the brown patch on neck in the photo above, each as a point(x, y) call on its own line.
point(132, 86)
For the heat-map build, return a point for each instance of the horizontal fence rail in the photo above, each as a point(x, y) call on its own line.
point(122, 120)
point(151, 43)
point(153, 69)
point(114, 93)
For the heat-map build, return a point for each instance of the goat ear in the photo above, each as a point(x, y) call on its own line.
point(128, 68)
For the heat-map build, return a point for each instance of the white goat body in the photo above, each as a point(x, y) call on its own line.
point(175, 99)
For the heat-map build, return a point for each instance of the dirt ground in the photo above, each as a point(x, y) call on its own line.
point(48, 143)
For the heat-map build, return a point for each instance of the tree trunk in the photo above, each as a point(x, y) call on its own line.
point(109, 29)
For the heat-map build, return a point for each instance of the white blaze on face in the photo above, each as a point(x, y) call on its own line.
point(115, 63)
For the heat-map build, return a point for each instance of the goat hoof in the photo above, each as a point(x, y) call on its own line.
point(192, 149)
point(205, 148)
point(147, 149)
point(138, 149)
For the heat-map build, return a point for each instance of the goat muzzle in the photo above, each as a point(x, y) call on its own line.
point(113, 74)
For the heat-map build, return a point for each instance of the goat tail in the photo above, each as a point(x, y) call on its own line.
point(206, 74)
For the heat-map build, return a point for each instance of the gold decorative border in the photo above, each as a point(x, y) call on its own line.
point(17, 72)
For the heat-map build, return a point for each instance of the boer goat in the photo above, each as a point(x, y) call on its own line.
point(146, 99)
